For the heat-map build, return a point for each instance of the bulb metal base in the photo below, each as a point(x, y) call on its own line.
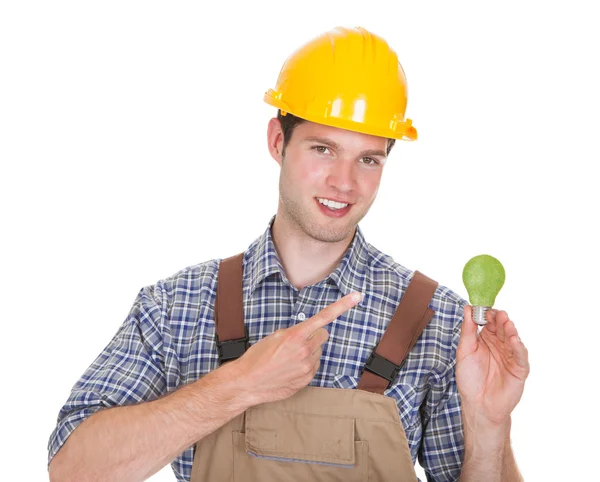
point(479, 314)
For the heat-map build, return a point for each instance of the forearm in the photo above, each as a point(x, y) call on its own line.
point(488, 453)
point(133, 442)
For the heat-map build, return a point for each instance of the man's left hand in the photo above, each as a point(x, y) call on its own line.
point(491, 366)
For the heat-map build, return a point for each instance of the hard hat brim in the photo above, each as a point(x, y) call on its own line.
point(399, 130)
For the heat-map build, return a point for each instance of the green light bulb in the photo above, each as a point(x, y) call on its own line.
point(483, 277)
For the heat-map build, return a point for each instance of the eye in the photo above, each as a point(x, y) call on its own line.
point(373, 162)
point(321, 149)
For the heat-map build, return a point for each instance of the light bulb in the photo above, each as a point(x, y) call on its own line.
point(483, 277)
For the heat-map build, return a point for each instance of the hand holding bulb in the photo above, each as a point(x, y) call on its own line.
point(492, 362)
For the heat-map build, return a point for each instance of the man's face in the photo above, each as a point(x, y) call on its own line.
point(323, 162)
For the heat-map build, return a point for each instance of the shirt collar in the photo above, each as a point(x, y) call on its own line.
point(348, 276)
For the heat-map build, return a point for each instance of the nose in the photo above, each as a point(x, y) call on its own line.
point(342, 176)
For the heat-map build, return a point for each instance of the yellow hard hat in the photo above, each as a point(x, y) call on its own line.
point(348, 78)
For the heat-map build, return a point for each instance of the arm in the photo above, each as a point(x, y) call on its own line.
point(488, 453)
point(133, 442)
point(491, 370)
point(442, 444)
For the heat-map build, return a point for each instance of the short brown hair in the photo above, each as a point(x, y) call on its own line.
point(290, 121)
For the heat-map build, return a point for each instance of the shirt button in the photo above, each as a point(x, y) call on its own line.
point(301, 316)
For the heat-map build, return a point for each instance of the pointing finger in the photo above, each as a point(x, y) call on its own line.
point(328, 314)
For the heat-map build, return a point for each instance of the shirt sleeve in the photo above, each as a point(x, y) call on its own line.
point(129, 370)
point(442, 445)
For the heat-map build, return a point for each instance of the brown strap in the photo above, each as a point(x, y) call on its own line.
point(229, 303)
point(409, 321)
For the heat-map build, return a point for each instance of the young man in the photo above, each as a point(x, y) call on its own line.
point(262, 366)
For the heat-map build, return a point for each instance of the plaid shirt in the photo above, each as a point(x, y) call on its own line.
point(167, 341)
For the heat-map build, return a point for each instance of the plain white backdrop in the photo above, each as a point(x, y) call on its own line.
point(133, 144)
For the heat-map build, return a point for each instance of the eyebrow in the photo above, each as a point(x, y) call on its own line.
point(336, 146)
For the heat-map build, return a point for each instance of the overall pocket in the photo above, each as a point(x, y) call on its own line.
point(285, 445)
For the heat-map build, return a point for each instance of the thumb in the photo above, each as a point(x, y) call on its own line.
point(468, 331)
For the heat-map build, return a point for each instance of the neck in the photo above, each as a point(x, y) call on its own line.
point(305, 259)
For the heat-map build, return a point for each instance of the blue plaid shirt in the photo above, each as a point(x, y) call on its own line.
point(167, 341)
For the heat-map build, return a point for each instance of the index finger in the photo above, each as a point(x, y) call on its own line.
point(328, 314)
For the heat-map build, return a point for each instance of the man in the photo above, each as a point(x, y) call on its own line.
point(314, 384)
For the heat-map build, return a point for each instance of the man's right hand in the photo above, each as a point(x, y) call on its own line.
point(280, 364)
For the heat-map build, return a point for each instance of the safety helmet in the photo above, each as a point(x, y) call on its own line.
point(348, 78)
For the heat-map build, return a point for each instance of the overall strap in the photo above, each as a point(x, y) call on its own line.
point(409, 321)
point(231, 334)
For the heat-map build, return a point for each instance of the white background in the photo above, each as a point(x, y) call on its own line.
point(133, 144)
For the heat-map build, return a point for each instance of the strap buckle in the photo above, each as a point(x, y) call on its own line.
point(382, 366)
point(231, 349)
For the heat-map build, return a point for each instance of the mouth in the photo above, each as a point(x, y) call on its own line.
point(332, 212)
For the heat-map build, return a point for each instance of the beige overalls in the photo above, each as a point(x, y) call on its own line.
point(323, 434)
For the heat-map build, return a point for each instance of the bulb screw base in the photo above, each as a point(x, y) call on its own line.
point(479, 314)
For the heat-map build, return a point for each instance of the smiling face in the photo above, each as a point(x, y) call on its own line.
point(323, 162)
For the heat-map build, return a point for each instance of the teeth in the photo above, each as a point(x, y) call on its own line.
point(332, 204)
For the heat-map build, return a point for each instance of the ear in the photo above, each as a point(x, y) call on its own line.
point(275, 139)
